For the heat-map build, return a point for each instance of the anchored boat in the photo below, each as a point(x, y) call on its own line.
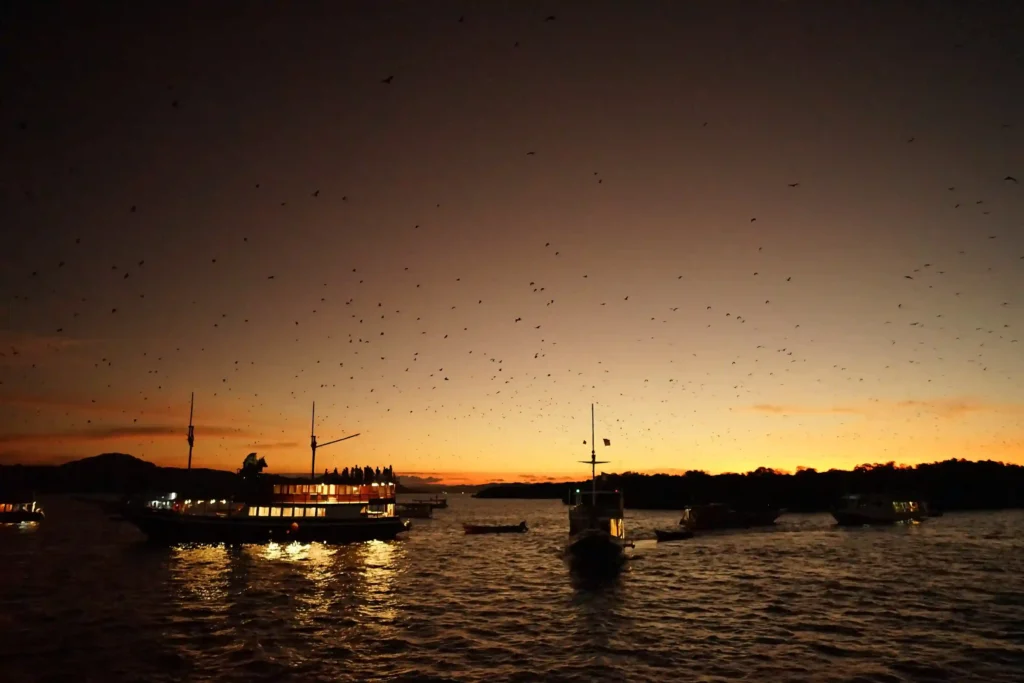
point(861, 509)
point(328, 510)
point(436, 503)
point(416, 510)
point(597, 533)
point(720, 516)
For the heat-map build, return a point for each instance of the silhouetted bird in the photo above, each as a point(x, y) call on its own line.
point(1010, 178)
point(386, 80)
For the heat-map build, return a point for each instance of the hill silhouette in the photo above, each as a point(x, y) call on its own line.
point(949, 485)
point(119, 473)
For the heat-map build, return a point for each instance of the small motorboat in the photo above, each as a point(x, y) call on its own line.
point(672, 534)
point(495, 529)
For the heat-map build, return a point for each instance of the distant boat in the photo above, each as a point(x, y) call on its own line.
point(861, 509)
point(597, 533)
point(664, 535)
point(714, 516)
point(303, 511)
point(19, 508)
point(416, 510)
point(495, 529)
point(436, 502)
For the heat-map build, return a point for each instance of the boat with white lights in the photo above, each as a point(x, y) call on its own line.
point(19, 509)
point(597, 534)
point(331, 509)
point(873, 508)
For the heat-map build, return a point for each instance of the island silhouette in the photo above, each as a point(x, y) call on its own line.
point(948, 485)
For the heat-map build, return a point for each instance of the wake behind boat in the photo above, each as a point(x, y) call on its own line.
point(597, 533)
point(336, 509)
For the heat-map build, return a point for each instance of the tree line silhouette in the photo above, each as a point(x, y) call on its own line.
point(118, 473)
point(948, 485)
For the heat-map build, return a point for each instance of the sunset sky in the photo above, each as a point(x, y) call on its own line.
point(770, 234)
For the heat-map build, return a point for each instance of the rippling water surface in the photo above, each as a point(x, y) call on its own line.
point(86, 599)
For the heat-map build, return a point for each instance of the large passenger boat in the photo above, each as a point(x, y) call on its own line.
point(333, 509)
point(861, 509)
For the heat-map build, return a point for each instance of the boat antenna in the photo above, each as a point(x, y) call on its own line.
point(191, 429)
point(313, 445)
point(593, 462)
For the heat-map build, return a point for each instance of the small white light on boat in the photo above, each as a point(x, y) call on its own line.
point(172, 496)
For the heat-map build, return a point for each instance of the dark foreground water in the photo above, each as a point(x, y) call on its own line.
point(84, 599)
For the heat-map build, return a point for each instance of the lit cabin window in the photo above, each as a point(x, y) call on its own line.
point(275, 512)
point(321, 512)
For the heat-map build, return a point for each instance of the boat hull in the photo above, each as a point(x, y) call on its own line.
point(20, 516)
point(505, 529)
point(595, 552)
point(171, 527)
point(673, 535)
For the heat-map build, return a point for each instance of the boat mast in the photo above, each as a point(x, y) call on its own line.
point(313, 446)
point(191, 429)
point(593, 461)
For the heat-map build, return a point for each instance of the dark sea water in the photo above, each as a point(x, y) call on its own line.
point(83, 598)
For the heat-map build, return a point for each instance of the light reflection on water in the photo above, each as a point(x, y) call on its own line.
point(378, 581)
point(802, 601)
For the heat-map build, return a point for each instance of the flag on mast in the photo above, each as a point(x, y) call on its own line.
point(607, 442)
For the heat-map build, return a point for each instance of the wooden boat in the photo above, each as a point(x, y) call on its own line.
point(416, 510)
point(664, 535)
point(596, 530)
point(720, 516)
point(861, 509)
point(19, 509)
point(305, 511)
point(495, 529)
